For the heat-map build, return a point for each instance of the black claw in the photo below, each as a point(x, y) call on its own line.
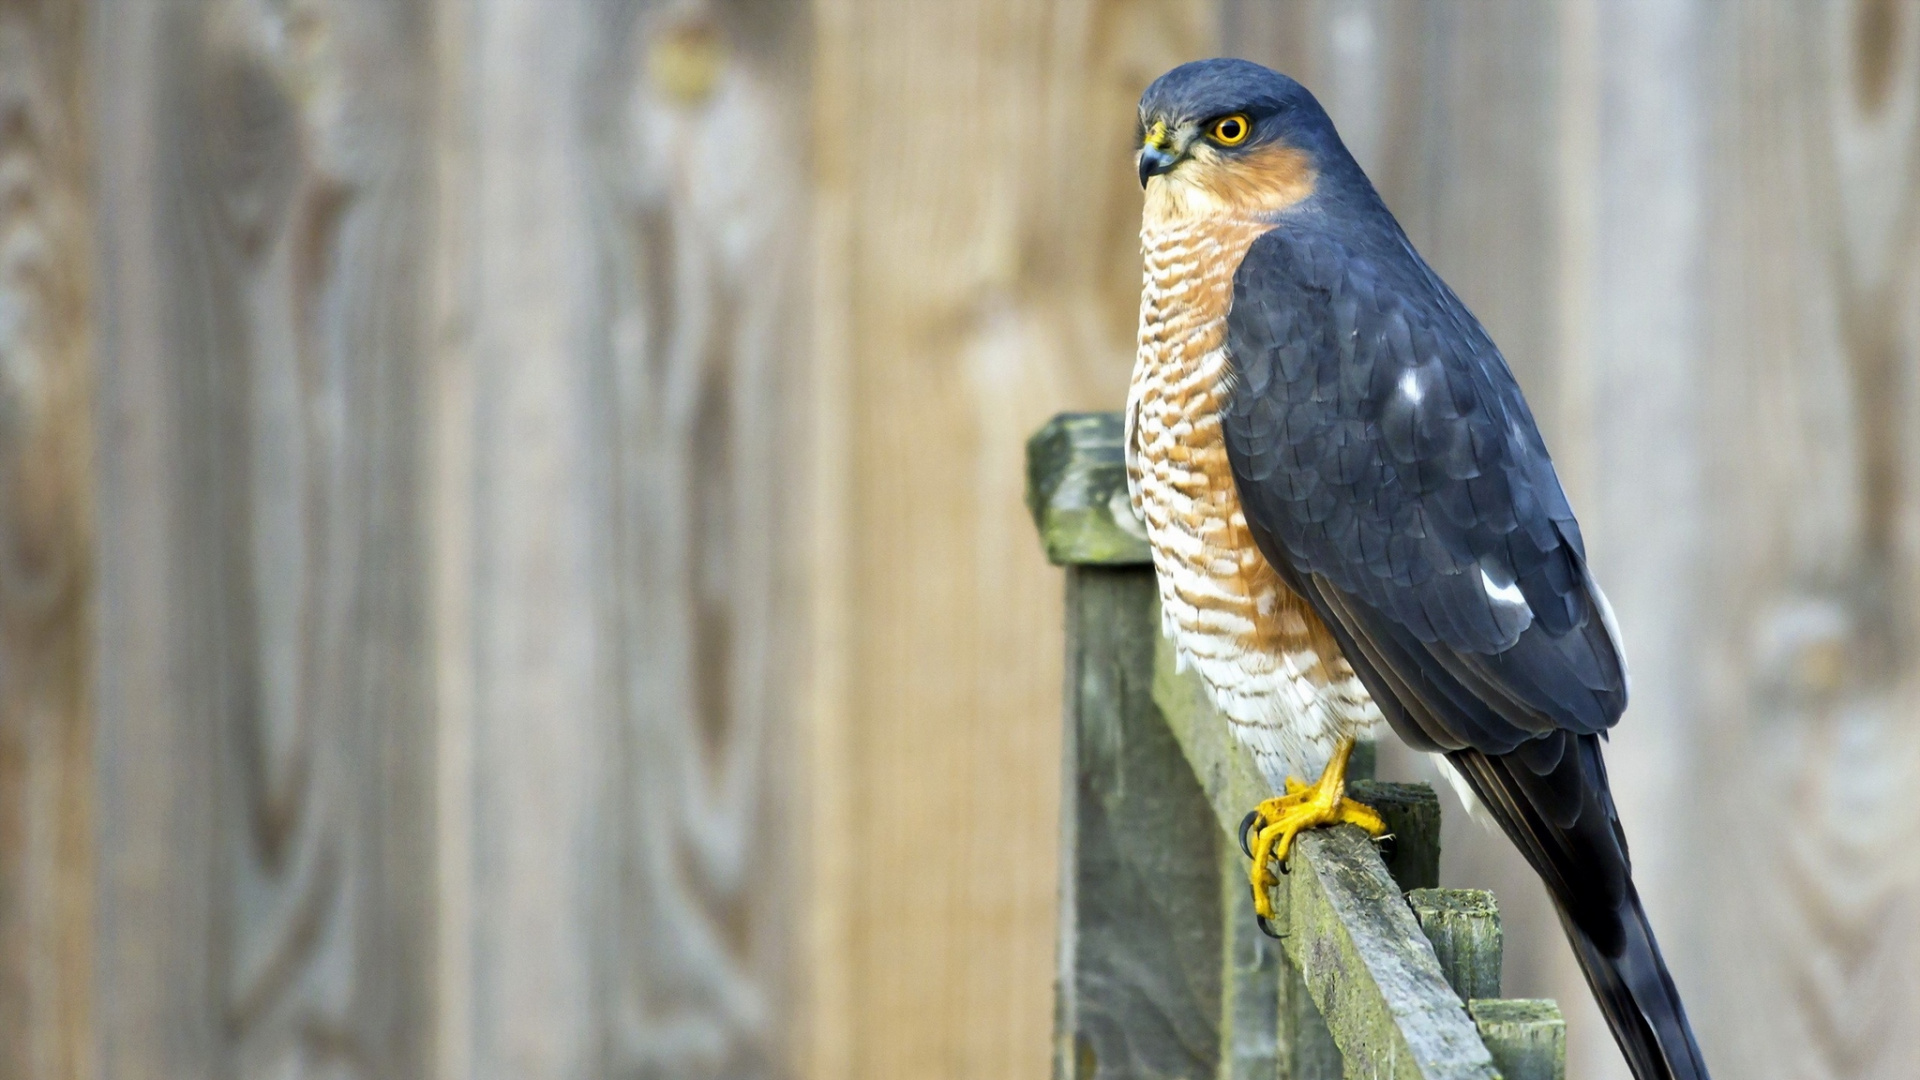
point(1246, 823)
point(1267, 928)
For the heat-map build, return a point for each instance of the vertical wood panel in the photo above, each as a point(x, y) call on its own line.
point(697, 181)
point(265, 794)
point(45, 542)
point(1635, 366)
point(1810, 750)
point(979, 222)
point(636, 336)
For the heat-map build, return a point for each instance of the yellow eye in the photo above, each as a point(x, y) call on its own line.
point(1230, 130)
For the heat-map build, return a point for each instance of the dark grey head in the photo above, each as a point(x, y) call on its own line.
point(1228, 110)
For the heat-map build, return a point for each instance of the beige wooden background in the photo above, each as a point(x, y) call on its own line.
point(511, 557)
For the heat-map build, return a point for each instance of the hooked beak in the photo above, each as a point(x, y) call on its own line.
point(1155, 160)
point(1157, 153)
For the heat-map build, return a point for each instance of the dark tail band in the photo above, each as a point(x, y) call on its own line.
point(1555, 804)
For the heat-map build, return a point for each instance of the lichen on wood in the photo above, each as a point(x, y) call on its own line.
point(1077, 492)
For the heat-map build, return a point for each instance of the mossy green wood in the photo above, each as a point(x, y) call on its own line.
point(1077, 492)
point(1140, 968)
point(1369, 968)
point(1464, 927)
point(1528, 1038)
point(1352, 937)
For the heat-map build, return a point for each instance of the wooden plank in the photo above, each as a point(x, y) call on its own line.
point(622, 422)
point(978, 230)
point(263, 737)
point(1527, 1038)
point(46, 541)
point(1308, 1051)
point(1411, 848)
point(1141, 979)
point(1369, 968)
point(1463, 926)
point(1257, 1035)
point(1808, 408)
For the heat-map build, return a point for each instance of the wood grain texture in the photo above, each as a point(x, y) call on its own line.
point(1369, 968)
point(978, 228)
point(264, 902)
point(1464, 927)
point(1141, 986)
point(1527, 1037)
point(46, 537)
point(450, 559)
point(620, 439)
point(1809, 753)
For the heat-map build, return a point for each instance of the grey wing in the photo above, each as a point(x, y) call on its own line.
point(1390, 469)
point(1391, 472)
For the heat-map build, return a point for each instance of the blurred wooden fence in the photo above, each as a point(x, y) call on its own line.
point(511, 555)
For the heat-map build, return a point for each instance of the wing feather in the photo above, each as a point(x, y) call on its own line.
point(1392, 474)
point(1383, 450)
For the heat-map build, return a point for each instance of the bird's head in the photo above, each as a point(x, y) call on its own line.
point(1231, 137)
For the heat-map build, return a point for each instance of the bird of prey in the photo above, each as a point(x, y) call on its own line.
point(1354, 518)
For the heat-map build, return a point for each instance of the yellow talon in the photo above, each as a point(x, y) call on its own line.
point(1304, 806)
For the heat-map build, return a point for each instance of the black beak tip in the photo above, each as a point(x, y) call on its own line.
point(1153, 162)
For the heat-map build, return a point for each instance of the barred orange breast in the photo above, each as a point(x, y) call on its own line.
point(1269, 663)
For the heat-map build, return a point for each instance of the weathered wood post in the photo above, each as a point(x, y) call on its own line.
point(1162, 972)
point(1141, 982)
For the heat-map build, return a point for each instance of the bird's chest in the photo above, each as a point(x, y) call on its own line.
point(1259, 647)
point(1215, 583)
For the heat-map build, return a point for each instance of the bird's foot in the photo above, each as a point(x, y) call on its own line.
point(1273, 825)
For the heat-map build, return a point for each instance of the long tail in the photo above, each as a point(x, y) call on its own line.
point(1552, 799)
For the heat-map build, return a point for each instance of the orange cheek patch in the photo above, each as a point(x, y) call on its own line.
point(1265, 179)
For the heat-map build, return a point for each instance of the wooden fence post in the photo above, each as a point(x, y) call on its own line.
point(1161, 969)
point(1464, 927)
point(1140, 971)
point(1527, 1038)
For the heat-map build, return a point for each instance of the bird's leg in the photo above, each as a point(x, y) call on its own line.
point(1275, 822)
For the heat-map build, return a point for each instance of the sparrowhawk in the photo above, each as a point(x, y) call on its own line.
point(1353, 517)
